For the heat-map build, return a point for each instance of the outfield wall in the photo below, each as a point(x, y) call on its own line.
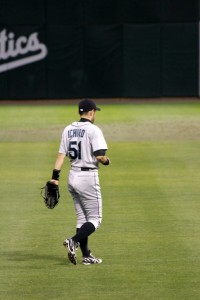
point(53, 49)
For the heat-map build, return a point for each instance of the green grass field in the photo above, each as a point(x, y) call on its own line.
point(150, 236)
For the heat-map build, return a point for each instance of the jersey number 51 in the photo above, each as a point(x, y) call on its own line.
point(75, 150)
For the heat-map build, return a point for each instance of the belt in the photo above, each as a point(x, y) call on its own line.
point(88, 169)
point(84, 169)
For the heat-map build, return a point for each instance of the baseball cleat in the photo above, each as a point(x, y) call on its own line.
point(90, 260)
point(71, 247)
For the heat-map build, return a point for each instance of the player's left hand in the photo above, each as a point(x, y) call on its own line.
point(51, 194)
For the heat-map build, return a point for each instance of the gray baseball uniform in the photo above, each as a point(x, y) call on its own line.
point(84, 144)
point(79, 142)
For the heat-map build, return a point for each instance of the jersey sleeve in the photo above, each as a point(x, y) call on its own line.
point(63, 144)
point(98, 141)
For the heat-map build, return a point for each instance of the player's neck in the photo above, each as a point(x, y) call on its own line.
point(85, 120)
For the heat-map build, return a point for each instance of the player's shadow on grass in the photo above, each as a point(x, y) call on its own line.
point(22, 256)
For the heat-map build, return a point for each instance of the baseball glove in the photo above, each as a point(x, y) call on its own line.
point(50, 194)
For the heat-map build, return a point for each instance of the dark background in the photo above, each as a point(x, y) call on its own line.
point(104, 48)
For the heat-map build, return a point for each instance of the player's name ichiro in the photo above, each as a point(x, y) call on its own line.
point(76, 133)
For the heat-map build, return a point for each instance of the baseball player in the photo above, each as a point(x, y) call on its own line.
point(84, 144)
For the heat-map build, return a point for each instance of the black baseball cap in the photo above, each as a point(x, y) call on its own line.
point(87, 105)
